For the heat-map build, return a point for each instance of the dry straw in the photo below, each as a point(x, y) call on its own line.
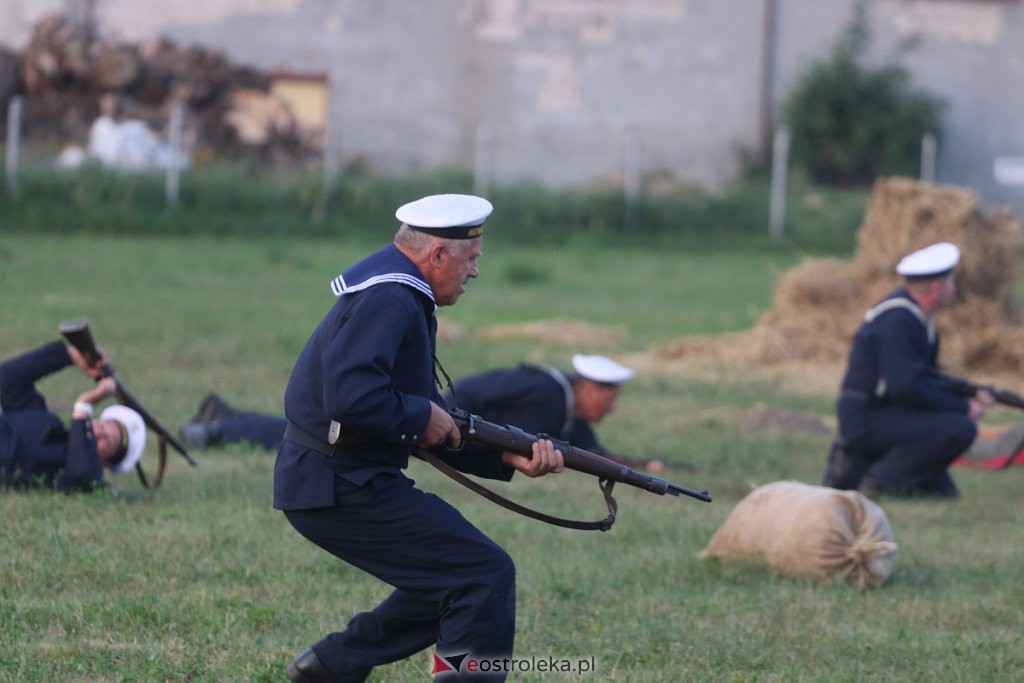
point(819, 304)
point(574, 333)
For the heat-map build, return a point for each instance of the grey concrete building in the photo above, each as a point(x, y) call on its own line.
point(570, 92)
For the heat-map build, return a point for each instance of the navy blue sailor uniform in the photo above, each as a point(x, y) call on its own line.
point(538, 399)
point(368, 372)
point(251, 427)
point(35, 447)
point(895, 419)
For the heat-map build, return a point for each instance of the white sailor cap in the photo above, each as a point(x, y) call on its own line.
point(453, 216)
point(932, 261)
point(133, 436)
point(601, 369)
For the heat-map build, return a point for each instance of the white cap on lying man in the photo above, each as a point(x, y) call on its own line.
point(601, 369)
point(931, 262)
point(133, 436)
point(452, 216)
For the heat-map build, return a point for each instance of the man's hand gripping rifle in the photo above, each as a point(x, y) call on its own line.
point(78, 335)
point(967, 389)
point(477, 430)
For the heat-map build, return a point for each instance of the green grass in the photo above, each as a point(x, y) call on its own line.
point(203, 581)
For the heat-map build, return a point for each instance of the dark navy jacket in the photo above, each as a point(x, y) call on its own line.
point(369, 365)
point(35, 448)
point(538, 400)
point(893, 352)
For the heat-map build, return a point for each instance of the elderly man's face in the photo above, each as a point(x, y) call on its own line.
point(456, 266)
point(594, 400)
point(947, 289)
point(108, 440)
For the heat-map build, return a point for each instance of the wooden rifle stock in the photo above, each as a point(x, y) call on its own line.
point(968, 389)
point(508, 438)
point(78, 335)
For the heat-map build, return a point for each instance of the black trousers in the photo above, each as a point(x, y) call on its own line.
point(454, 587)
point(258, 428)
point(907, 450)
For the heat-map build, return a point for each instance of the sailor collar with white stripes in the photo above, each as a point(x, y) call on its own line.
point(902, 299)
point(385, 265)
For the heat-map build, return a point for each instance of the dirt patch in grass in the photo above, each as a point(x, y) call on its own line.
point(775, 419)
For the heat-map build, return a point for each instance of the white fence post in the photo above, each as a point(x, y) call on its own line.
point(780, 171)
point(174, 129)
point(13, 141)
point(483, 158)
point(332, 147)
point(630, 179)
point(929, 147)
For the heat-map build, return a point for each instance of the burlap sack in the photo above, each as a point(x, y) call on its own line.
point(808, 531)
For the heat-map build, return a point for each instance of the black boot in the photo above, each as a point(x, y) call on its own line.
point(942, 486)
point(307, 668)
point(200, 435)
point(843, 469)
point(213, 407)
point(870, 488)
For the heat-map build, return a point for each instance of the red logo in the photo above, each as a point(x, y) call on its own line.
point(446, 664)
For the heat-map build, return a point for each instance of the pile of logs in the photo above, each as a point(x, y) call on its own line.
point(69, 78)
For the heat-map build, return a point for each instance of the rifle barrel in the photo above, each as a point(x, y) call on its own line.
point(1008, 398)
point(129, 400)
point(477, 430)
point(965, 387)
point(676, 489)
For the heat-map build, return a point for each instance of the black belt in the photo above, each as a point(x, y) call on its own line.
point(855, 393)
point(296, 434)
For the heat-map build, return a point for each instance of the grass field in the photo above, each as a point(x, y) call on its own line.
point(203, 581)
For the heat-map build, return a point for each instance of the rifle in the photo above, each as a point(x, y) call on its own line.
point(967, 389)
point(475, 429)
point(77, 333)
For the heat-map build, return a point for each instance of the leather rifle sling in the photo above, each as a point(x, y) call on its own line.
point(161, 466)
point(599, 525)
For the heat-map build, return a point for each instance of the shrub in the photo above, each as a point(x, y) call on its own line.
point(851, 123)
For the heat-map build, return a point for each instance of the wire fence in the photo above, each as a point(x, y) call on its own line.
point(627, 159)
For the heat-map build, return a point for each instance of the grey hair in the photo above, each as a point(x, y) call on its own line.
point(417, 241)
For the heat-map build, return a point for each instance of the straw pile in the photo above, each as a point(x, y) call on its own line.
point(559, 332)
point(819, 304)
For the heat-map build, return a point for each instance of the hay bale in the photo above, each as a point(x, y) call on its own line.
point(905, 215)
point(819, 304)
point(822, 283)
point(787, 335)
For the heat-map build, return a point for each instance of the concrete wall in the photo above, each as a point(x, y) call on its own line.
point(562, 92)
point(567, 92)
point(969, 53)
point(578, 90)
